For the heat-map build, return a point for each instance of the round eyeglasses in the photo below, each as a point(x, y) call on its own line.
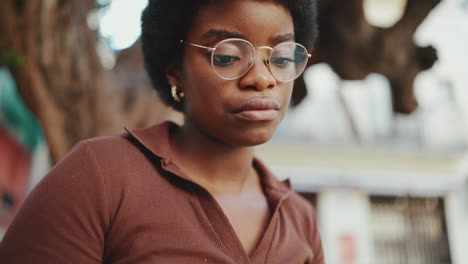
point(232, 58)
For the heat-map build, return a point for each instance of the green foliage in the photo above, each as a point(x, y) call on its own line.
point(11, 59)
point(15, 116)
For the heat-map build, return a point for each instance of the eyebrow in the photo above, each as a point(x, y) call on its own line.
point(217, 33)
point(283, 38)
point(220, 33)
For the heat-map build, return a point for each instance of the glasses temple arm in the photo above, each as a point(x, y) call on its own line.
point(198, 46)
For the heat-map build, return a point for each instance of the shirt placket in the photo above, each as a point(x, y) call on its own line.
point(222, 226)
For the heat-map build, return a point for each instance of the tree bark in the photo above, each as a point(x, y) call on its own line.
point(354, 48)
point(63, 81)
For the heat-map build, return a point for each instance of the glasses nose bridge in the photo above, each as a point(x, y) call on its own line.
point(265, 61)
point(265, 48)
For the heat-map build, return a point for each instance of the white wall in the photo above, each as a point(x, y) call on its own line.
point(344, 217)
point(456, 211)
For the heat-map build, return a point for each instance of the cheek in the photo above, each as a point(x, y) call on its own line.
point(201, 85)
point(203, 91)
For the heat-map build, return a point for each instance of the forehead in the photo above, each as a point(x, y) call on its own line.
point(258, 21)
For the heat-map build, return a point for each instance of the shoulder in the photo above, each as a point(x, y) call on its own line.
point(112, 155)
point(114, 163)
point(104, 149)
point(93, 161)
point(125, 161)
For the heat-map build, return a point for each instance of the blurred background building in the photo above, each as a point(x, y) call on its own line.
point(389, 188)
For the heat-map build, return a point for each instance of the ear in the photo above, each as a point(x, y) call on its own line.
point(173, 75)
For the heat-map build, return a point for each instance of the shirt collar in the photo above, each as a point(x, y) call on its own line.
point(156, 140)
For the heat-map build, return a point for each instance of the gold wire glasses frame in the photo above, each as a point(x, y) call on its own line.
point(232, 58)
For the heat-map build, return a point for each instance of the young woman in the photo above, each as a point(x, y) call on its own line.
point(195, 193)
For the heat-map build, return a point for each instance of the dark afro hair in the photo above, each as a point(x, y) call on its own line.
point(165, 22)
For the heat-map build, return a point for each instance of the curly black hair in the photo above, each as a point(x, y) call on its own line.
point(165, 22)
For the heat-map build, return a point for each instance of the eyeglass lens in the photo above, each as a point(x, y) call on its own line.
point(233, 58)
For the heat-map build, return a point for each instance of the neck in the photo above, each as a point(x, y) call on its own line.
point(212, 164)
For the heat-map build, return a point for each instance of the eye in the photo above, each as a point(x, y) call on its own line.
point(224, 60)
point(281, 62)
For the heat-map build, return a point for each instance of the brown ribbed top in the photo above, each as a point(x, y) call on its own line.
point(123, 199)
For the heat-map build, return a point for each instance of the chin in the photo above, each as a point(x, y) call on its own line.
point(252, 143)
point(252, 139)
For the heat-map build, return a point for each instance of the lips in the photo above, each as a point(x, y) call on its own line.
point(258, 109)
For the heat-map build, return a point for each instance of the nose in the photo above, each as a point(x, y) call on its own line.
point(259, 76)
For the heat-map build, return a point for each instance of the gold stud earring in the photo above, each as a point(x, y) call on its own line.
point(175, 96)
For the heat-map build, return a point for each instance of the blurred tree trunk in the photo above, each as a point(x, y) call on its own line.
point(63, 81)
point(354, 48)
